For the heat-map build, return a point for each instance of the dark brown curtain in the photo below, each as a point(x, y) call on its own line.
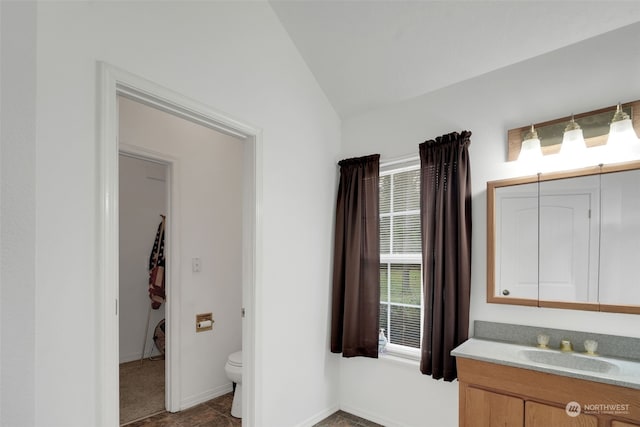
point(446, 250)
point(356, 268)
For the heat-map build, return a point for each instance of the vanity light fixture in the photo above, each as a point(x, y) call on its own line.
point(604, 136)
point(530, 151)
point(572, 140)
point(622, 137)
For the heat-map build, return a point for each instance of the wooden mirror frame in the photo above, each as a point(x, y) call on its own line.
point(491, 244)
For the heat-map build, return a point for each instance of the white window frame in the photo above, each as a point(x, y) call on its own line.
point(391, 168)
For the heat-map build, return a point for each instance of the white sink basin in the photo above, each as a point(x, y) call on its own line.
point(623, 372)
point(570, 360)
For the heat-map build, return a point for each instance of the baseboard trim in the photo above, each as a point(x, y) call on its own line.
point(199, 398)
point(131, 357)
point(319, 416)
point(370, 416)
point(144, 417)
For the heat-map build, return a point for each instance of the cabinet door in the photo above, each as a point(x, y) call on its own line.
point(486, 409)
point(615, 423)
point(540, 415)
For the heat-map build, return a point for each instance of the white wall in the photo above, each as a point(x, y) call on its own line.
point(583, 77)
point(394, 393)
point(17, 214)
point(142, 198)
point(208, 171)
point(236, 58)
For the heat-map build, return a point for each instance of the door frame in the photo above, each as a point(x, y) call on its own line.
point(172, 267)
point(113, 82)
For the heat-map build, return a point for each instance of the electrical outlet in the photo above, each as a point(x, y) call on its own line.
point(196, 265)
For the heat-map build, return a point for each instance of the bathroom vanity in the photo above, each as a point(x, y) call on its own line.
point(517, 384)
point(498, 395)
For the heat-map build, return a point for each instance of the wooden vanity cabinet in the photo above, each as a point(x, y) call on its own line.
point(494, 395)
point(484, 408)
point(541, 415)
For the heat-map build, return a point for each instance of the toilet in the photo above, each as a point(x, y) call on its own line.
point(233, 368)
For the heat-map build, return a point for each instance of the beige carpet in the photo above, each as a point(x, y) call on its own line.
point(141, 389)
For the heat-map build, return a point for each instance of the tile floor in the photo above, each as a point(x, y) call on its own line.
point(345, 419)
point(216, 413)
point(213, 413)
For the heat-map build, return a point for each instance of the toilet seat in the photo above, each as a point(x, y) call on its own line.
point(235, 359)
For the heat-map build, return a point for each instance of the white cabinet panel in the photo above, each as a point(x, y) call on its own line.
point(517, 231)
point(547, 240)
point(620, 239)
point(565, 231)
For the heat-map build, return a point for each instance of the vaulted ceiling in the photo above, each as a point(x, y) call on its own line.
point(368, 53)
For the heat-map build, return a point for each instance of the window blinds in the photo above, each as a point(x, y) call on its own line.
point(400, 256)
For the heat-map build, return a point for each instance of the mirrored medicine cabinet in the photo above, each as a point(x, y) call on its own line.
point(566, 239)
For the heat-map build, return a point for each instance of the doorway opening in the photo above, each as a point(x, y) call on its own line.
point(143, 207)
point(113, 84)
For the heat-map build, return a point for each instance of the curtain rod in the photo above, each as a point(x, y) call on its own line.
point(397, 160)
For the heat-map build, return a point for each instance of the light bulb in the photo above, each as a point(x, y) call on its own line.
point(572, 140)
point(622, 142)
point(530, 150)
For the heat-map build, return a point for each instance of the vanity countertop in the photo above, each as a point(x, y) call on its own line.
point(620, 372)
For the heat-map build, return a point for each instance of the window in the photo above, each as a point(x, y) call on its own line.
point(401, 258)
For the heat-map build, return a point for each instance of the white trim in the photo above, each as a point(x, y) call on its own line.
point(172, 250)
point(133, 357)
point(315, 419)
point(199, 398)
point(111, 82)
point(143, 153)
point(401, 258)
point(370, 416)
point(107, 383)
point(397, 351)
point(251, 283)
point(401, 354)
point(191, 114)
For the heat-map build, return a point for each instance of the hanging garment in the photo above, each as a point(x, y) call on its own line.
point(156, 269)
